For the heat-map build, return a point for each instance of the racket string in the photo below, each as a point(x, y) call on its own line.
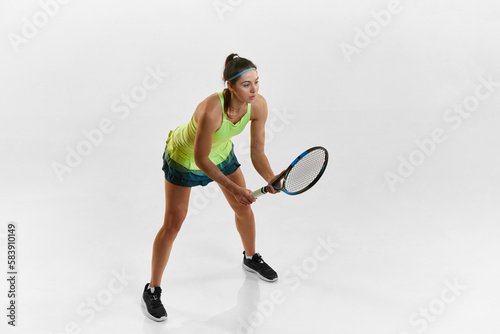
point(305, 171)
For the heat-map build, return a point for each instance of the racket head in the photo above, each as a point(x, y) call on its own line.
point(304, 172)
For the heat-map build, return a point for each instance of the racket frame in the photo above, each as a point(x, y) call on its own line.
point(284, 174)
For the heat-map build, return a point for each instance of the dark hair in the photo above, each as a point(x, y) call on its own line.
point(234, 65)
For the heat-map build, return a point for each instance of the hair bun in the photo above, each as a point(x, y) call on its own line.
point(232, 67)
point(231, 57)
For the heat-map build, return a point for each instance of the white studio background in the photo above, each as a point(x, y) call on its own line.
point(404, 94)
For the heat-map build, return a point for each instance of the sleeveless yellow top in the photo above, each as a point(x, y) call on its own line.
point(180, 142)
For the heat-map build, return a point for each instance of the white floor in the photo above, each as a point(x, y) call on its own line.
point(354, 254)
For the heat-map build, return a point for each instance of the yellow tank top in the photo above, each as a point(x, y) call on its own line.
point(180, 142)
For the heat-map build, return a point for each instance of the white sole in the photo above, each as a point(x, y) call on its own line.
point(149, 315)
point(258, 275)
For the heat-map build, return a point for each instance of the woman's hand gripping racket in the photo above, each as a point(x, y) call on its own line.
point(302, 174)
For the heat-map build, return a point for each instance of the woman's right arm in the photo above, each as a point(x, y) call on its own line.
point(208, 123)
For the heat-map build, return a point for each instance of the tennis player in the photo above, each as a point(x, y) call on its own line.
point(201, 151)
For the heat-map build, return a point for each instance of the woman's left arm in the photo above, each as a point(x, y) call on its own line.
point(257, 141)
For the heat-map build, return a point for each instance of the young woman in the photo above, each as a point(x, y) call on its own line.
point(201, 151)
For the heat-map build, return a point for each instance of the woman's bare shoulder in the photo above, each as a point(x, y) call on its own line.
point(259, 107)
point(209, 109)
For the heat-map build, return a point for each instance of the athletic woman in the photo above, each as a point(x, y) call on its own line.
point(201, 151)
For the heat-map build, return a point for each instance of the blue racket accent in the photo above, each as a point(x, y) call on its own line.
point(298, 158)
point(302, 174)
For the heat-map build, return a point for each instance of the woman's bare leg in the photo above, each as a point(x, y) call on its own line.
point(176, 206)
point(245, 220)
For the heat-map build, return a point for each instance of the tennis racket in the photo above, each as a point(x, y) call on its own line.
point(302, 174)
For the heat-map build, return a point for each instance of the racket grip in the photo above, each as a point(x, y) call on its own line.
point(259, 192)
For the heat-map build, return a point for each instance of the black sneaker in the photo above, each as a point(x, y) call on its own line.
point(257, 265)
point(151, 300)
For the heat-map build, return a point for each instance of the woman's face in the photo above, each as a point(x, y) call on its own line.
point(247, 86)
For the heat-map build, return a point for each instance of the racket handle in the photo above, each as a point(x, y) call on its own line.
point(259, 192)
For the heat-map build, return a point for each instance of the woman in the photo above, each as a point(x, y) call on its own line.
point(201, 151)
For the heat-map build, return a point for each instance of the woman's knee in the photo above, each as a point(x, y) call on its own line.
point(242, 210)
point(174, 220)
